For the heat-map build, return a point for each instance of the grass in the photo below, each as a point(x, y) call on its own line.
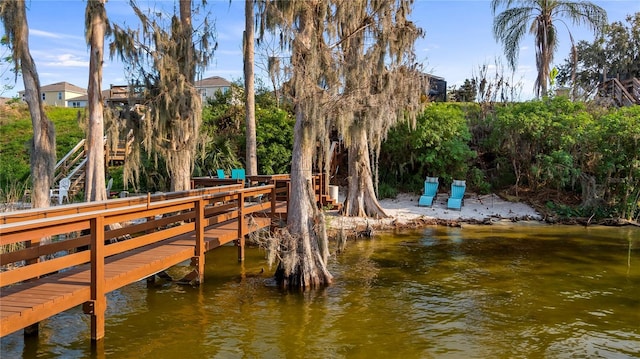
point(15, 135)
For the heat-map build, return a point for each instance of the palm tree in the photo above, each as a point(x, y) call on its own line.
point(251, 161)
point(538, 17)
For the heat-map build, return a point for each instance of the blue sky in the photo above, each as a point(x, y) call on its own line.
point(458, 40)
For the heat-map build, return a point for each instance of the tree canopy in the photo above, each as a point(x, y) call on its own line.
point(540, 18)
point(165, 56)
point(615, 54)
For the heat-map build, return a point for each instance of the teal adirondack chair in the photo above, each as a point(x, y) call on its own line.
point(456, 200)
point(430, 192)
point(238, 173)
point(221, 173)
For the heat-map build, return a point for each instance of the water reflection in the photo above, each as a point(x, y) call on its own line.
point(479, 291)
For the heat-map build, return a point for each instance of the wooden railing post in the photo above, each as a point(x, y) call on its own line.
point(33, 329)
point(97, 306)
point(288, 196)
point(273, 204)
point(198, 259)
point(241, 226)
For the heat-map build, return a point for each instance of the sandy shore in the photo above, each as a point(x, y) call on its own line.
point(404, 212)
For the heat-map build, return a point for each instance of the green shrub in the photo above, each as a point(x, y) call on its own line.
point(437, 147)
point(15, 140)
point(386, 191)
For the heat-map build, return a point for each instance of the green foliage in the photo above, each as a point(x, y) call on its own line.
point(15, 140)
point(223, 132)
point(466, 92)
point(438, 147)
point(15, 137)
point(555, 170)
point(69, 127)
point(614, 156)
point(542, 19)
point(274, 135)
point(477, 180)
point(540, 139)
point(386, 190)
point(616, 51)
point(553, 143)
point(12, 192)
point(563, 210)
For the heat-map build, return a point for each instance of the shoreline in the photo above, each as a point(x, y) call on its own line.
point(404, 213)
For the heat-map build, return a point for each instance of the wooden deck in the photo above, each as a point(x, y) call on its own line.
point(100, 247)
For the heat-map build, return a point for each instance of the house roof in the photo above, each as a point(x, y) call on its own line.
point(105, 96)
point(214, 81)
point(63, 86)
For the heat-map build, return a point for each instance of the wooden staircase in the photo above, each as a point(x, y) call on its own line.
point(323, 198)
point(621, 93)
point(73, 164)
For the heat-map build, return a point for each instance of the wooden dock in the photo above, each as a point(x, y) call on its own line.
point(94, 248)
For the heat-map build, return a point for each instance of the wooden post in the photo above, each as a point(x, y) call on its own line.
point(273, 204)
point(241, 226)
point(198, 259)
point(98, 304)
point(34, 329)
point(288, 194)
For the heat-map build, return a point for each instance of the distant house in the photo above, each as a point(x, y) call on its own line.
point(80, 101)
point(83, 101)
point(116, 95)
point(64, 94)
point(209, 86)
point(61, 94)
point(437, 88)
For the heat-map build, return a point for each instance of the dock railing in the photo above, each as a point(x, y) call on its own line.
point(100, 230)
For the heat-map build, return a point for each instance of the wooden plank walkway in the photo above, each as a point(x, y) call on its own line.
point(173, 231)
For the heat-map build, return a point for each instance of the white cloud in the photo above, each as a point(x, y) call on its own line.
point(40, 33)
point(228, 52)
point(233, 31)
point(62, 60)
point(526, 69)
point(430, 47)
point(54, 35)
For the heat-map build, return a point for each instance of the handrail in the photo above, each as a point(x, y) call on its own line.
point(78, 167)
point(40, 213)
point(70, 161)
point(75, 160)
point(614, 88)
point(634, 88)
point(71, 152)
point(163, 220)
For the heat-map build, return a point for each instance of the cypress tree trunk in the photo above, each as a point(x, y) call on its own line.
point(361, 198)
point(180, 159)
point(43, 144)
point(303, 263)
point(180, 170)
point(95, 167)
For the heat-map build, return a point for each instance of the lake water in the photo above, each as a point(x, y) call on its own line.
point(501, 291)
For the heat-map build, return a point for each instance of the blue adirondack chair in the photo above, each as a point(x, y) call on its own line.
point(430, 192)
point(238, 173)
point(456, 200)
point(221, 173)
